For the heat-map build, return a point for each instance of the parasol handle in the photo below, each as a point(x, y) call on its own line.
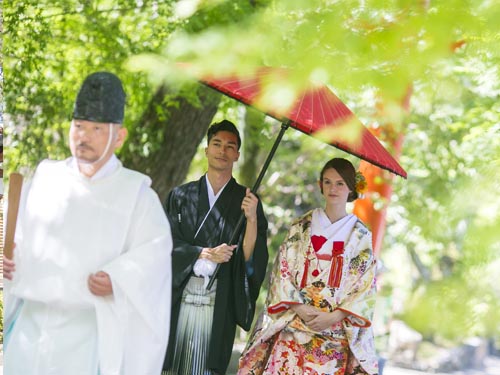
point(284, 127)
point(241, 220)
point(15, 186)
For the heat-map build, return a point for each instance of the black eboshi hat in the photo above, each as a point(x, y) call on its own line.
point(101, 99)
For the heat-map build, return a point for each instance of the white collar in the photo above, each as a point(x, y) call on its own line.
point(106, 170)
point(212, 197)
point(338, 231)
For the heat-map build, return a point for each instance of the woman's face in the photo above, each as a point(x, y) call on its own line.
point(334, 187)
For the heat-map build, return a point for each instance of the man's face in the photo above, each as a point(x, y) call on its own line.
point(88, 140)
point(222, 151)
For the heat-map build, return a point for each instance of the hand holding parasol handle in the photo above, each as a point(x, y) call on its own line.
point(15, 186)
point(241, 221)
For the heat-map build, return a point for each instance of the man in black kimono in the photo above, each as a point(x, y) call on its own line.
point(203, 215)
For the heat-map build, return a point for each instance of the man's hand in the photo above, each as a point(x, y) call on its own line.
point(249, 206)
point(219, 254)
point(9, 266)
point(100, 284)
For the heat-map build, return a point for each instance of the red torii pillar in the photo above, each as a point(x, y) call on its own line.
point(379, 181)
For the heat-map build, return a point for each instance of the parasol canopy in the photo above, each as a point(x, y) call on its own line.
point(316, 111)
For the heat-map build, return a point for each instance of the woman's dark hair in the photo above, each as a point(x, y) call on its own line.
point(226, 126)
point(347, 171)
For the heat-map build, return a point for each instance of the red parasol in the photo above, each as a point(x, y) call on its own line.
point(317, 111)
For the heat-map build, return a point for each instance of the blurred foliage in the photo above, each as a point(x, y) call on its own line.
point(447, 211)
point(49, 47)
point(441, 236)
point(385, 44)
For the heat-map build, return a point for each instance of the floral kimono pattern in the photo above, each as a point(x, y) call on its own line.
point(281, 343)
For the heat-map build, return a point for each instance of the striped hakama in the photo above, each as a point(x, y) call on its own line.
point(194, 329)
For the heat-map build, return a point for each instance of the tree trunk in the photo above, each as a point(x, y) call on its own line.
point(179, 126)
point(253, 154)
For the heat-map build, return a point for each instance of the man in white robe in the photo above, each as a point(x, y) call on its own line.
point(89, 288)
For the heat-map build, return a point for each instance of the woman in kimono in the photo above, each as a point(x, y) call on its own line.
point(317, 318)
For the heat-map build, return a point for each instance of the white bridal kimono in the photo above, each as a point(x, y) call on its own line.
point(70, 226)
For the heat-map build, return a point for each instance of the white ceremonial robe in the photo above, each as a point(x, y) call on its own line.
point(69, 227)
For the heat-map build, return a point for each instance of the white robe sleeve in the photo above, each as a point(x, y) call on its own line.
point(134, 323)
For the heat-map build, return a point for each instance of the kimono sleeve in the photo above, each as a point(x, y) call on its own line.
point(360, 294)
point(248, 285)
point(184, 253)
point(260, 255)
point(283, 290)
